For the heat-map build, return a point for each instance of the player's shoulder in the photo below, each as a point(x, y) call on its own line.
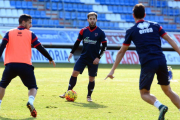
point(153, 23)
point(99, 29)
point(84, 28)
point(131, 28)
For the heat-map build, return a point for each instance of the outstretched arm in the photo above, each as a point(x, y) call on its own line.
point(44, 52)
point(76, 45)
point(119, 57)
point(172, 43)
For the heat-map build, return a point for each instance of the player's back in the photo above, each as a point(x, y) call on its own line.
point(18, 49)
point(146, 36)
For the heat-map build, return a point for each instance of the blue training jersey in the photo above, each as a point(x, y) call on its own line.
point(92, 40)
point(146, 37)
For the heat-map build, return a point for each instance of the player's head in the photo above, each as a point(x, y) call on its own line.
point(92, 19)
point(139, 11)
point(25, 20)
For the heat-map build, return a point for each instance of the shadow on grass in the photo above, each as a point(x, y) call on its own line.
point(4, 118)
point(90, 105)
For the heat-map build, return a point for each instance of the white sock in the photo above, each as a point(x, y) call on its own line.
point(179, 109)
point(157, 104)
point(31, 99)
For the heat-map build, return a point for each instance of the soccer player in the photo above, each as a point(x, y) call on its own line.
point(146, 37)
point(92, 36)
point(17, 59)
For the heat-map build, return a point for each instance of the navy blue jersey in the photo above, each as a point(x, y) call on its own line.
point(146, 37)
point(92, 40)
point(34, 42)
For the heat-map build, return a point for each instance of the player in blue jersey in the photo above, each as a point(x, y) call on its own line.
point(146, 37)
point(92, 37)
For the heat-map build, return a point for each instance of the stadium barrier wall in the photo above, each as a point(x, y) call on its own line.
point(115, 38)
point(66, 37)
point(60, 55)
point(131, 57)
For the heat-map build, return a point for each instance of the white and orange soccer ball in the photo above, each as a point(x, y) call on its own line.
point(71, 95)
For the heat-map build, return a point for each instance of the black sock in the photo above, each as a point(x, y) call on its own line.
point(72, 82)
point(90, 88)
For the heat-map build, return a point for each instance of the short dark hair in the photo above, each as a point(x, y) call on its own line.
point(92, 13)
point(139, 11)
point(24, 17)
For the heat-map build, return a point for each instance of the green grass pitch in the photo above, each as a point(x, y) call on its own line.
point(116, 99)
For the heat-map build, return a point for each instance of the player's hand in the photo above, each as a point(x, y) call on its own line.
point(110, 75)
point(70, 56)
point(54, 64)
point(96, 61)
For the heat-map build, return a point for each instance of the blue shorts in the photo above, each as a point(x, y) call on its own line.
point(24, 71)
point(81, 64)
point(148, 71)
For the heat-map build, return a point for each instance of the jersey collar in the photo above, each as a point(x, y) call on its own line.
point(139, 21)
point(21, 27)
point(92, 29)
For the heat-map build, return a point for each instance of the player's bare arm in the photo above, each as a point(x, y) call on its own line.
point(96, 61)
point(76, 45)
point(70, 56)
point(172, 43)
point(119, 57)
point(54, 64)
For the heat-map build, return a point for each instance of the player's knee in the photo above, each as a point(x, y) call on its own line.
point(144, 92)
point(91, 79)
point(75, 73)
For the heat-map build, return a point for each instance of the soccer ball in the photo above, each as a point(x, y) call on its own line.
point(71, 95)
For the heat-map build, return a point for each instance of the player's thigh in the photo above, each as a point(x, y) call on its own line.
point(80, 65)
point(92, 69)
point(147, 74)
point(162, 73)
point(7, 75)
point(27, 76)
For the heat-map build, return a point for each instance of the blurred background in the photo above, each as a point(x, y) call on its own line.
point(58, 22)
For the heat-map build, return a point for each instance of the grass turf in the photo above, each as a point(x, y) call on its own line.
point(116, 99)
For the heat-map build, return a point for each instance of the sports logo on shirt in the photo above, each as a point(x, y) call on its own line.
point(96, 34)
point(144, 28)
point(19, 34)
point(87, 40)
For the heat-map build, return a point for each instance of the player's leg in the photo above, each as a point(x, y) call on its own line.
point(146, 78)
point(91, 86)
point(147, 74)
point(7, 76)
point(92, 69)
point(172, 95)
point(78, 69)
point(162, 76)
point(146, 96)
point(26, 73)
point(73, 79)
